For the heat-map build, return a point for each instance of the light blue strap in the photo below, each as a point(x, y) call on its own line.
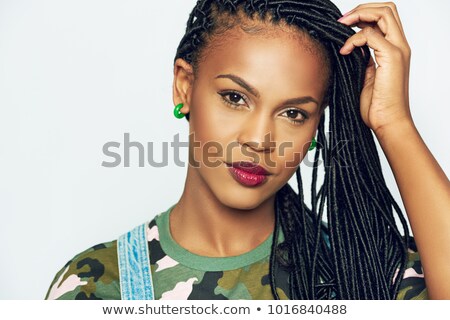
point(134, 265)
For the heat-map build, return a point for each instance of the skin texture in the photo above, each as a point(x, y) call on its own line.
point(216, 216)
point(424, 187)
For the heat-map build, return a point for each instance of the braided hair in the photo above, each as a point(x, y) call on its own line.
point(360, 254)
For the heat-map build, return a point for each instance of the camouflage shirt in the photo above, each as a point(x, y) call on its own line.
point(180, 274)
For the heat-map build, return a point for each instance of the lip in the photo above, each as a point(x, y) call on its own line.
point(250, 167)
point(248, 173)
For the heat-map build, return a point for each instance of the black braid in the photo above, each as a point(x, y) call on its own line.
point(366, 248)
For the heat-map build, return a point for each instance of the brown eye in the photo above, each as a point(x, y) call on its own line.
point(234, 97)
point(296, 116)
point(292, 114)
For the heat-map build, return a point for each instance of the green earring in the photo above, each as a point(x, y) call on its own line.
point(177, 113)
point(313, 144)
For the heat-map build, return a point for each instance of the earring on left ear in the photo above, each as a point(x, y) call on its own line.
point(313, 144)
point(177, 113)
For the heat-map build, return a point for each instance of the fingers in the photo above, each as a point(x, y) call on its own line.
point(381, 28)
point(373, 39)
point(363, 25)
point(384, 4)
point(382, 17)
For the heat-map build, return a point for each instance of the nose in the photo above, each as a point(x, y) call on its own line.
point(257, 133)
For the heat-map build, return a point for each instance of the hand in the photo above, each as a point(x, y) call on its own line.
point(385, 95)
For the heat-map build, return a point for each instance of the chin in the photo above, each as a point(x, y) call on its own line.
point(240, 199)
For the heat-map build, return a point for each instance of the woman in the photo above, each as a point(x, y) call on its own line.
point(254, 79)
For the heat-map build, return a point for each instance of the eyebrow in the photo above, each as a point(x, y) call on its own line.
point(241, 82)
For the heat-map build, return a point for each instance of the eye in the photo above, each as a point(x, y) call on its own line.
point(233, 98)
point(296, 116)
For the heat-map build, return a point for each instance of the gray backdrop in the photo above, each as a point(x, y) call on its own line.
point(75, 75)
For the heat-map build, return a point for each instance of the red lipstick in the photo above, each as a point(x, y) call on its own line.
point(248, 173)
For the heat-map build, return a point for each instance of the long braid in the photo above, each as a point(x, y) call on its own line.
point(361, 251)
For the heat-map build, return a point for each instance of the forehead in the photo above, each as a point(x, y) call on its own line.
point(272, 56)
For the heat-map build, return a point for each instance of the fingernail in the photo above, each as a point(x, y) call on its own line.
point(344, 15)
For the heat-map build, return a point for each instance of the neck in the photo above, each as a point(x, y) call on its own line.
point(203, 225)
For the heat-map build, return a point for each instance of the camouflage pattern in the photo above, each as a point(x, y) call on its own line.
point(93, 275)
point(413, 285)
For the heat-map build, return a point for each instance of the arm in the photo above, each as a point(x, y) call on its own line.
point(425, 191)
point(424, 188)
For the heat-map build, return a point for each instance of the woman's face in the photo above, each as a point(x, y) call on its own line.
point(255, 97)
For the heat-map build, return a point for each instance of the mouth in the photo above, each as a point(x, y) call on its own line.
point(247, 173)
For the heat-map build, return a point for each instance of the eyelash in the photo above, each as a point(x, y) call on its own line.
point(233, 105)
point(305, 116)
point(223, 94)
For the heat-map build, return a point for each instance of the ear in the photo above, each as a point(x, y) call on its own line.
point(183, 78)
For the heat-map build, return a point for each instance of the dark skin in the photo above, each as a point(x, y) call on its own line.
point(218, 217)
point(423, 185)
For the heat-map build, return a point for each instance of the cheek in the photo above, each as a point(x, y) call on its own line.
point(214, 127)
point(293, 144)
point(206, 121)
point(290, 154)
point(206, 130)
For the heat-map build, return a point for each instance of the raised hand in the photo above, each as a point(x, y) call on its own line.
point(385, 96)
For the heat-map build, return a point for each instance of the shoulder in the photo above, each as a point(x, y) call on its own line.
point(92, 274)
point(413, 285)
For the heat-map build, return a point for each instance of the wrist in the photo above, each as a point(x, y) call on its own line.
point(398, 129)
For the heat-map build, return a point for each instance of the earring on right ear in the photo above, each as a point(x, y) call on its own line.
point(177, 113)
point(313, 144)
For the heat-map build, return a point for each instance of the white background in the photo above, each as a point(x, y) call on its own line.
point(77, 74)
